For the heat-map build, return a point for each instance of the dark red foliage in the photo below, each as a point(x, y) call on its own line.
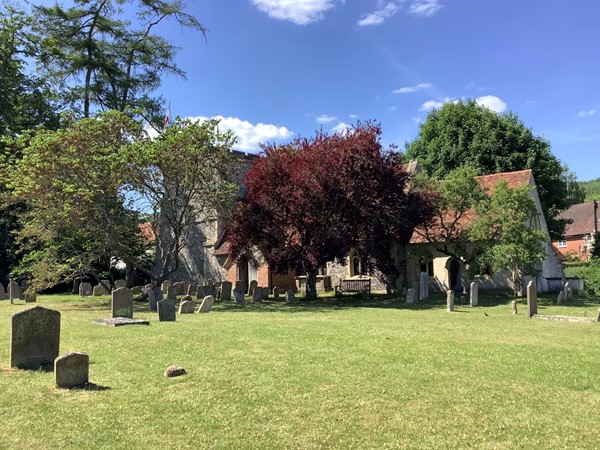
point(313, 200)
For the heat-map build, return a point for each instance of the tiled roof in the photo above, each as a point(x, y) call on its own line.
point(582, 216)
point(147, 232)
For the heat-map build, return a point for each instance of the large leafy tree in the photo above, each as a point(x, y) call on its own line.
point(466, 134)
point(103, 60)
point(311, 201)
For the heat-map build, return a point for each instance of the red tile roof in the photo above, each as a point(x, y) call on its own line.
point(582, 216)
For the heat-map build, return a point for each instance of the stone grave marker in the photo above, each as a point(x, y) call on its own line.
point(3, 295)
point(423, 286)
point(15, 289)
point(416, 287)
point(207, 304)
point(238, 296)
point(450, 300)
point(241, 286)
point(192, 289)
point(30, 297)
point(136, 290)
point(178, 287)
point(474, 294)
point(85, 289)
point(35, 338)
point(76, 283)
point(185, 287)
point(410, 296)
point(72, 370)
point(290, 297)
point(122, 303)
point(598, 315)
point(257, 295)
point(514, 307)
point(252, 286)
point(99, 290)
point(24, 287)
point(187, 306)
point(200, 292)
point(172, 293)
point(166, 311)
point(276, 292)
point(120, 284)
point(209, 289)
point(560, 298)
point(568, 291)
point(226, 290)
point(155, 295)
point(531, 299)
point(165, 286)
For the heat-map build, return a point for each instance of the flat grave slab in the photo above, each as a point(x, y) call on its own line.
point(563, 318)
point(120, 321)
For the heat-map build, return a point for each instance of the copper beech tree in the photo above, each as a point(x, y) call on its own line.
point(313, 200)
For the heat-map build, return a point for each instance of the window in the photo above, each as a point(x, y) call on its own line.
point(562, 244)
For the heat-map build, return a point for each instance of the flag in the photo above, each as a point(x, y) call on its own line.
point(166, 120)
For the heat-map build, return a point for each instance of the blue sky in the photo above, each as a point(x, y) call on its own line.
point(276, 69)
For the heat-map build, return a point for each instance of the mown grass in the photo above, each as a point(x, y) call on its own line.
point(337, 373)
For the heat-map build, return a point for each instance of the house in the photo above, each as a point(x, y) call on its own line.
point(579, 233)
point(445, 272)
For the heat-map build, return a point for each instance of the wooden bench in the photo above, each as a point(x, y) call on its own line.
point(358, 285)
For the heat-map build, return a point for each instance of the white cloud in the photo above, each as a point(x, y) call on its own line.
point(589, 113)
point(379, 16)
point(300, 12)
point(324, 118)
point(426, 8)
point(249, 135)
point(492, 103)
point(353, 116)
point(434, 104)
point(409, 89)
point(342, 128)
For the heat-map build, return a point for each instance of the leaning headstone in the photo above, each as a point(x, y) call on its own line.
point(72, 370)
point(290, 297)
point(166, 311)
point(276, 292)
point(122, 303)
point(3, 295)
point(85, 289)
point(209, 289)
point(450, 300)
point(531, 299)
point(120, 284)
point(238, 296)
point(410, 296)
point(30, 297)
point(423, 286)
point(35, 337)
point(172, 293)
point(257, 295)
point(252, 286)
point(155, 295)
point(187, 306)
point(474, 294)
point(207, 304)
point(560, 298)
point(226, 290)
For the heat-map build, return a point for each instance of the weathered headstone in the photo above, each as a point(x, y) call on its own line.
point(290, 297)
point(24, 287)
point(416, 287)
point(209, 289)
point(423, 286)
point(85, 289)
point(265, 293)
point(257, 295)
point(122, 303)
point(186, 286)
point(3, 295)
point(252, 286)
point(410, 296)
point(179, 287)
point(165, 286)
point(450, 300)
point(560, 298)
point(192, 289)
point(76, 283)
point(226, 290)
point(598, 315)
point(166, 311)
point(238, 296)
point(514, 307)
point(568, 291)
point(207, 304)
point(241, 286)
point(187, 306)
point(276, 292)
point(474, 294)
point(120, 284)
point(200, 292)
point(155, 295)
point(35, 337)
point(100, 290)
point(14, 290)
point(172, 293)
point(30, 297)
point(531, 299)
point(72, 370)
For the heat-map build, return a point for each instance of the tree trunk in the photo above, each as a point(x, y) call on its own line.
point(517, 278)
point(311, 284)
point(128, 275)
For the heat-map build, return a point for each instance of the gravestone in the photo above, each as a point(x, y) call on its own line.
point(200, 292)
point(15, 289)
point(172, 293)
point(165, 287)
point(179, 288)
point(24, 287)
point(598, 315)
point(209, 289)
point(450, 300)
point(72, 370)
point(207, 304)
point(192, 289)
point(136, 290)
point(290, 297)
point(276, 292)
point(238, 296)
point(415, 286)
point(226, 290)
point(568, 291)
point(241, 286)
point(474, 294)
point(265, 293)
point(560, 298)
point(3, 295)
point(185, 287)
point(252, 286)
point(531, 299)
point(100, 290)
point(166, 311)
point(30, 297)
point(514, 307)
point(410, 296)
point(423, 286)
point(122, 303)
point(76, 283)
point(35, 337)
point(187, 306)
point(85, 289)
point(155, 295)
point(120, 284)
point(257, 295)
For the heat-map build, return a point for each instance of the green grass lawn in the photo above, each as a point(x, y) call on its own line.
point(339, 373)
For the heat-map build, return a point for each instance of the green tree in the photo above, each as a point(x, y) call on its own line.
point(102, 60)
point(466, 134)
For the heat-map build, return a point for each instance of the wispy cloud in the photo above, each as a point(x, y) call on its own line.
point(342, 128)
point(379, 16)
point(409, 89)
point(324, 118)
point(424, 8)
point(588, 113)
point(300, 12)
point(492, 103)
point(353, 116)
point(434, 104)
